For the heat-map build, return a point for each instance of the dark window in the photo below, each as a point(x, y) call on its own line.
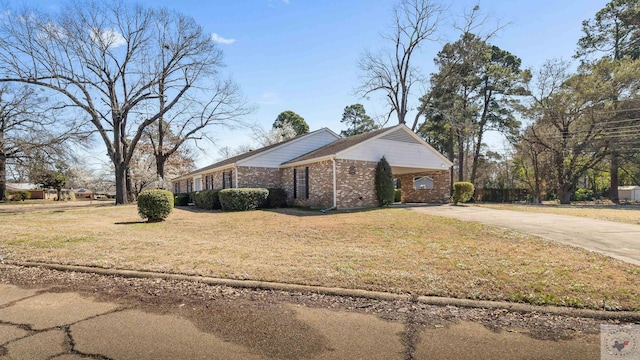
point(227, 180)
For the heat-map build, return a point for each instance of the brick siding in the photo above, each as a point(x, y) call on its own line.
point(439, 194)
point(252, 177)
point(356, 183)
point(320, 185)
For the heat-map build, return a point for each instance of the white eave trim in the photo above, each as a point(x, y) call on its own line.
point(308, 161)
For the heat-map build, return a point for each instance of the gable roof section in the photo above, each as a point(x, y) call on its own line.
point(337, 146)
point(399, 133)
point(250, 154)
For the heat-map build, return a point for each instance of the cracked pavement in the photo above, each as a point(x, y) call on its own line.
point(46, 314)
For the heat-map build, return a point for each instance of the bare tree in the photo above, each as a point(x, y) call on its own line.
point(143, 170)
point(284, 132)
point(568, 124)
point(391, 71)
point(108, 59)
point(217, 103)
point(27, 127)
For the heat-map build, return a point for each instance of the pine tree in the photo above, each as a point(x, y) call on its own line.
point(385, 190)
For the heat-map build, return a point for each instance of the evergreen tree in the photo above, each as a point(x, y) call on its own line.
point(385, 191)
point(294, 120)
point(357, 121)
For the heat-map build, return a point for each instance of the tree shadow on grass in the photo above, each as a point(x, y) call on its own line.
point(133, 222)
point(303, 212)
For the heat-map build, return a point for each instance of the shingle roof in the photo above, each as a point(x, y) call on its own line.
point(338, 146)
point(242, 156)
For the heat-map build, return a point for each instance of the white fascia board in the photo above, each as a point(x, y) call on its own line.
point(308, 161)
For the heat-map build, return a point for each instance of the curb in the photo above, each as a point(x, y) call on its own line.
point(374, 295)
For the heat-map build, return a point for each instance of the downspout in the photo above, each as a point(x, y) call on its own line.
point(335, 188)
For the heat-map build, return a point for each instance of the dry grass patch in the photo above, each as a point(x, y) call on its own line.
point(629, 214)
point(392, 250)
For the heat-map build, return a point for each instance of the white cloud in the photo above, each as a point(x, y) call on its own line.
point(220, 40)
point(51, 31)
point(109, 37)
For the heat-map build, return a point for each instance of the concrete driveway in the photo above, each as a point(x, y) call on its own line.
point(618, 240)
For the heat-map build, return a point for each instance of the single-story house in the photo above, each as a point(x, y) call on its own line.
point(629, 193)
point(82, 193)
point(322, 170)
point(35, 192)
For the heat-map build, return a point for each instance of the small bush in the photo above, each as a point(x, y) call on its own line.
point(462, 192)
point(277, 198)
point(207, 199)
point(583, 194)
point(385, 189)
point(242, 199)
point(181, 200)
point(397, 196)
point(155, 205)
point(25, 195)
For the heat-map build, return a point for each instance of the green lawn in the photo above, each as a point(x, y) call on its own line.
point(395, 250)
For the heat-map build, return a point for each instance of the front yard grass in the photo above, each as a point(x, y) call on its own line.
point(629, 214)
point(395, 250)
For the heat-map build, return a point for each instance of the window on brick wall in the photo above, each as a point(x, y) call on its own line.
point(176, 188)
point(207, 182)
point(422, 183)
point(227, 179)
point(301, 183)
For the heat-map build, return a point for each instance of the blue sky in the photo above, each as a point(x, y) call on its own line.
point(302, 55)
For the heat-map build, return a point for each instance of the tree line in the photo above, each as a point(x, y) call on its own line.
point(130, 74)
point(566, 129)
point(146, 81)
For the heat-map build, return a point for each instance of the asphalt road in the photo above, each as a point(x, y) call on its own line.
point(618, 240)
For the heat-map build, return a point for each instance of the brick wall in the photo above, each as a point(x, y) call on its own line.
point(356, 183)
point(439, 194)
point(320, 185)
point(251, 177)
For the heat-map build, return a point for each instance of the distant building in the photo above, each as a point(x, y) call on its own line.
point(629, 193)
point(34, 190)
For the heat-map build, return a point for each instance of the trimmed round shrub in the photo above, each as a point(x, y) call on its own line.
point(242, 199)
point(277, 198)
point(155, 205)
point(385, 189)
point(181, 200)
point(462, 192)
point(207, 199)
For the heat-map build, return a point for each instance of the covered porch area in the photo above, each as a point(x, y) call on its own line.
point(423, 185)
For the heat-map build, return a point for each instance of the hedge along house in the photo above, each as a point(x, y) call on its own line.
point(339, 173)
